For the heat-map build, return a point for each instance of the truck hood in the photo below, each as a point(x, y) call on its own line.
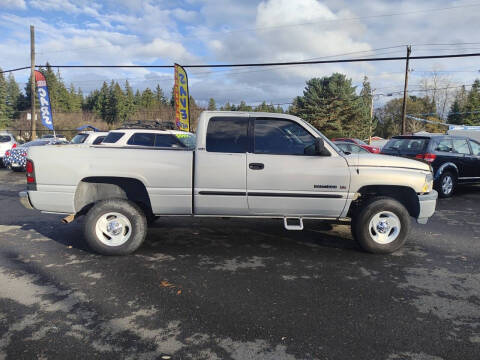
point(378, 160)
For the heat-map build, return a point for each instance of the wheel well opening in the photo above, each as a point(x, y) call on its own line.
point(93, 189)
point(403, 194)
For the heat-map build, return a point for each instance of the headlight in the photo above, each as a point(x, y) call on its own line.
point(428, 185)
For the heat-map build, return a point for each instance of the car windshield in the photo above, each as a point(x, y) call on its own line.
point(4, 138)
point(79, 139)
point(406, 145)
point(188, 140)
point(360, 142)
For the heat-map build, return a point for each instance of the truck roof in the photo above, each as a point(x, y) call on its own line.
point(250, 113)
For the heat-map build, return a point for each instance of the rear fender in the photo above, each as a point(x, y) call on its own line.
point(446, 166)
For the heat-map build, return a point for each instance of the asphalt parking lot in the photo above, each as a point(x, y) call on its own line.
point(238, 289)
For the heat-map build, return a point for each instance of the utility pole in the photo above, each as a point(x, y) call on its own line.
point(32, 78)
point(371, 121)
point(404, 108)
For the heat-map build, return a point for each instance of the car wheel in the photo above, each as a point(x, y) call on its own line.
point(115, 227)
point(446, 184)
point(381, 226)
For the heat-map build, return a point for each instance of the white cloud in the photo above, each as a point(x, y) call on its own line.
point(13, 4)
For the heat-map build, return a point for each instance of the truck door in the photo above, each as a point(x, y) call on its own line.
point(220, 168)
point(286, 177)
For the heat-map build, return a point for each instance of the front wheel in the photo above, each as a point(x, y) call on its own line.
point(115, 227)
point(381, 226)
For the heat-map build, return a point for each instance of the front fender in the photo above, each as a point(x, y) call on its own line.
point(442, 168)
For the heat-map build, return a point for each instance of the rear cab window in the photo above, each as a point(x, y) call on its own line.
point(113, 137)
point(5, 138)
point(227, 134)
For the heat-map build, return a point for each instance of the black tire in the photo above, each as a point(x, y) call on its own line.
point(445, 178)
point(366, 235)
point(135, 233)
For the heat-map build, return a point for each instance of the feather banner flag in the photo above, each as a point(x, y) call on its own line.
point(44, 100)
point(182, 110)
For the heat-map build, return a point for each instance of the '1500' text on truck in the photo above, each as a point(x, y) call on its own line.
point(243, 165)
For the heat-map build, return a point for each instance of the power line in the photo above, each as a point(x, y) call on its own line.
point(312, 62)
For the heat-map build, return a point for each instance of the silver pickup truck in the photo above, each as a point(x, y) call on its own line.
point(258, 165)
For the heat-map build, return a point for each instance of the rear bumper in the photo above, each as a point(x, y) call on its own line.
point(428, 202)
point(25, 199)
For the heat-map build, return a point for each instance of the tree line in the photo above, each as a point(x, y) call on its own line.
point(331, 103)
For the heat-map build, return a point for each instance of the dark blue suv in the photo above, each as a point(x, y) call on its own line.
point(454, 159)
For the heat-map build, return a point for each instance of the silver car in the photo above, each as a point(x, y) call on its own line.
point(7, 142)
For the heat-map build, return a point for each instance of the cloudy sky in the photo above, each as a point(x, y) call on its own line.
point(147, 32)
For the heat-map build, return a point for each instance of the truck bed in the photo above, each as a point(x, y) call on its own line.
point(165, 173)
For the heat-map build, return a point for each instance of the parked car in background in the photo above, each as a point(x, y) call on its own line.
point(363, 144)
point(56, 136)
point(350, 148)
point(379, 143)
point(150, 138)
point(17, 157)
point(454, 159)
point(89, 137)
point(7, 142)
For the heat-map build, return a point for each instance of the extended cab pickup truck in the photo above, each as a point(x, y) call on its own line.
point(243, 165)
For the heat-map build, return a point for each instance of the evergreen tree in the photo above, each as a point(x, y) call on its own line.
point(4, 111)
point(212, 106)
point(244, 107)
point(102, 103)
point(160, 96)
point(130, 106)
point(116, 104)
point(138, 98)
point(148, 99)
point(329, 103)
point(472, 105)
point(366, 123)
point(14, 97)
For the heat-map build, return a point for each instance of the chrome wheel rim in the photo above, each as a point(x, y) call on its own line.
point(447, 185)
point(384, 227)
point(113, 229)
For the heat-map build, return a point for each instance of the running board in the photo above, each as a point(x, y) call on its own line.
point(293, 223)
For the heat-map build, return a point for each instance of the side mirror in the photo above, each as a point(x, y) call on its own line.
point(319, 146)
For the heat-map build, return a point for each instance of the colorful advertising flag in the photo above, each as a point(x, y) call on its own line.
point(44, 100)
point(182, 111)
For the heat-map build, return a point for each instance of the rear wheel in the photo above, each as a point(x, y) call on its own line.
point(446, 184)
point(381, 226)
point(115, 227)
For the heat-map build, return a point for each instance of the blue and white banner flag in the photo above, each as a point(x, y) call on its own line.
point(44, 99)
